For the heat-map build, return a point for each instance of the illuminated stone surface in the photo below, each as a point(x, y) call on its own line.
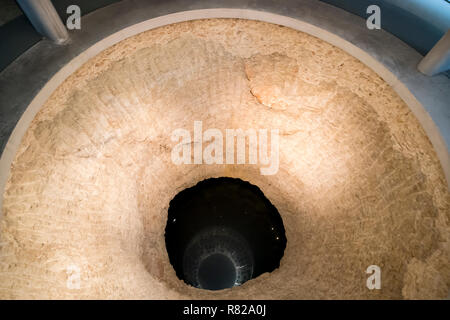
point(359, 183)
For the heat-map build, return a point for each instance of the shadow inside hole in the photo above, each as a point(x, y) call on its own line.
point(213, 265)
point(223, 232)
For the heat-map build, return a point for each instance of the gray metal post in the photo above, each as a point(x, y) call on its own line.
point(438, 59)
point(45, 19)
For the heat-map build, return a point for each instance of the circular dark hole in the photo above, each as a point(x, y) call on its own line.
point(223, 232)
point(216, 272)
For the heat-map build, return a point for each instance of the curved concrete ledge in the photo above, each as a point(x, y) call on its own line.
point(30, 80)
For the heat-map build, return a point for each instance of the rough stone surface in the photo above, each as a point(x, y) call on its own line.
point(359, 183)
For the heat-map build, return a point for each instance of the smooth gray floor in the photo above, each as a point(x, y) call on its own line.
point(24, 78)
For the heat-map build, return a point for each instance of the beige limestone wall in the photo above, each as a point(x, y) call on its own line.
point(359, 183)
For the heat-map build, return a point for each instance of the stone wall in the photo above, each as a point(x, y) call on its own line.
point(359, 183)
